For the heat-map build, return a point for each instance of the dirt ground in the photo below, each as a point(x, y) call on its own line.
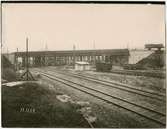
point(51, 104)
point(106, 115)
point(143, 82)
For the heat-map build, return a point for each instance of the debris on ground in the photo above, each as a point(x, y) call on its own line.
point(83, 103)
point(91, 119)
point(63, 98)
point(51, 86)
point(86, 111)
point(10, 84)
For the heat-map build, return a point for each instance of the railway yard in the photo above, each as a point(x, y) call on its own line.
point(113, 103)
point(83, 64)
point(84, 91)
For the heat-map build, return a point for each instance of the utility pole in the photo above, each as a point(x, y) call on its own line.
point(27, 65)
point(94, 47)
point(27, 57)
point(45, 49)
point(16, 60)
point(1, 27)
point(7, 53)
point(74, 56)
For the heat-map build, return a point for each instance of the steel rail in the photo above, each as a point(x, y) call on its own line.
point(121, 87)
point(115, 97)
point(53, 77)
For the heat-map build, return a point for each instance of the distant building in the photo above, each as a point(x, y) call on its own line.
point(82, 66)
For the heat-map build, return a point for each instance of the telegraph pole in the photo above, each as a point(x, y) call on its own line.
point(94, 53)
point(74, 55)
point(45, 57)
point(27, 57)
point(16, 59)
point(45, 49)
point(7, 53)
point(27, 72)
point(1, 27)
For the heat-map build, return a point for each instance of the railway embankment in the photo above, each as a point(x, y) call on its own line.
point(33, 104)
point(145, 73)
point(7, 70)
point(142, 82)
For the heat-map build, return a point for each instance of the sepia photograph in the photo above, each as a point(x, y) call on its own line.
point(83, 64)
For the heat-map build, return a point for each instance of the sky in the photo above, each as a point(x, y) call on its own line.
point(87, 26)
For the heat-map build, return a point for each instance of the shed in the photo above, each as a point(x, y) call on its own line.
point(82, 66)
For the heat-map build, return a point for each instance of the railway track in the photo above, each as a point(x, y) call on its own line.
point(129, 101)
point(152, 95)
point(147, 113)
